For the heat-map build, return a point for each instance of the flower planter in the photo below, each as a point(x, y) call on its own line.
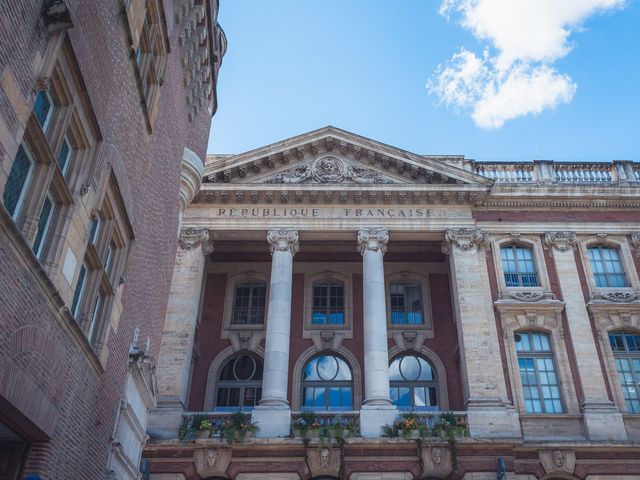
point(204, 433)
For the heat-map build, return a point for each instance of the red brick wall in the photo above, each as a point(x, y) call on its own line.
point(82, 403)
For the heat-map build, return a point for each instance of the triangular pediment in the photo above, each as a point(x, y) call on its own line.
point(333, 156)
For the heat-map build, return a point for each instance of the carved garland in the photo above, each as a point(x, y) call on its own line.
point(561, 241)
point(191, 238)
point(465, 239)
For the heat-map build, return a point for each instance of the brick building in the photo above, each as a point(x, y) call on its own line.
point(347, 288)
point(105, 109)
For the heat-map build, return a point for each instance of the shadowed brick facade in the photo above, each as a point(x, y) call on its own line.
point(75, 388)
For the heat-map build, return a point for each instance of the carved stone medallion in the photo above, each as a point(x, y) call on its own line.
point(210, 462)
point(323, 460)
point(437, 461)
point(561, 241)
point(464, 239)
point(558, 460)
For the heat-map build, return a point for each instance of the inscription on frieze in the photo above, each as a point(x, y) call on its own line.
point(408, 213)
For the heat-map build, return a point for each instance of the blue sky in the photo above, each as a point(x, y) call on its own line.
point(363, 65)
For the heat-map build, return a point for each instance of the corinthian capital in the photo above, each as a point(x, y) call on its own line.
point(191, 238)
point(282, 240)
point(464, 239)
point(561, 241)
point(374, 239)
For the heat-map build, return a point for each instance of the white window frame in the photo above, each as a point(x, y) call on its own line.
point(410, 278)
point(532, 242)
point(310, 329)
point(618, 242)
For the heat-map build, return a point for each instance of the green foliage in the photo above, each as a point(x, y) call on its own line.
point(446, 425)
point(237, 427)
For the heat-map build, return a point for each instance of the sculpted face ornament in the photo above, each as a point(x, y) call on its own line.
point(324, 457)
point(212, 456)
point(436, 455)
point(558, 458)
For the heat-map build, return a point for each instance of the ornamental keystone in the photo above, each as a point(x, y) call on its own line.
point(282, 240)
point(561, 241)
point(465, 239)
point(192, 238)
point(374, 239)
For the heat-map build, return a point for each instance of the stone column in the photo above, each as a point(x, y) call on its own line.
point(602, 419)
point(176, 348)
point(191, 172)
point(489, 412)
point(273, 414)
point(377, 409)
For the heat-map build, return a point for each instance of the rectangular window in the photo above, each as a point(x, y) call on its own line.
point(517, 264)
point(79, 292)
point(537, 373)
point(626, 351)
point(44, 225)
point(328, 304)
point(607, 267)
point(94, 228)
point(18, 182)
point(406, 304)
point(249, 304)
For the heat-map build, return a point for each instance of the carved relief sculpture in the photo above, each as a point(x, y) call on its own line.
point(328, 170)
point(465, 239)
point(283, 239)
point(561, 241)
point(373, 239)
point(192, 238)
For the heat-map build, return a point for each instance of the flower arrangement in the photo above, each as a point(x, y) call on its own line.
point(308, 425)
point(447, 425)
point(238, 426)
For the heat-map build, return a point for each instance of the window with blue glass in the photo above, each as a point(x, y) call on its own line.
point(413, 383)
point(626, 352)
point(18, 182)
point(540, 384)
point(43, 109)
point(327, 384)
point(406, 304)
point(328, 304)
point(44, 227)
point(518, 266)
point(239, 384)
point(606, 267)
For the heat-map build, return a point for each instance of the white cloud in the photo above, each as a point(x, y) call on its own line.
point(515, 77)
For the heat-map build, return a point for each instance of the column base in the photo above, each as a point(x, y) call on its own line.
point(274, 421)
point(603, 421)
point(492, 419)
point(165, 420)
point(374, 417)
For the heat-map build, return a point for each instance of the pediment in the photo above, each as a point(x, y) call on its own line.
point(333, 156)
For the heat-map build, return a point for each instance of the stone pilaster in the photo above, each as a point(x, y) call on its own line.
point(174, 360)
point(602, 419)
point(273, 414)
point(377, 409)
point(489, 412)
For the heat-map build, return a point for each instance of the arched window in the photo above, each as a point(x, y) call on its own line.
point(626, 351)
point(327, 384)
point(406, 304)
point(518, 266)
point(248, 304)
point(328, 303)
point(538, 373)
point(413, 383)
point(606, 267)
point(239, 384)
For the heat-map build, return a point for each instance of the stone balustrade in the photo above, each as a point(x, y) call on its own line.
point(545, 171)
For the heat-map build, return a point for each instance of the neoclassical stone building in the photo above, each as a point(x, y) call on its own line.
point(333, 274)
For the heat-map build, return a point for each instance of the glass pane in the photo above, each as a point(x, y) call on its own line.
point(310, 371)
point(394, 369)
point(404, 396)
point(244, 367)
point(334, 397)
point(419, 397)
point(42, 108)
point(43, 226)
point(346, 395)
point(63, 156)
point(410, 368)
point(16, 184)
point(227, 371)
point(79, 289)
point(327, 367)
point(426, 373)
point(344, 372)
